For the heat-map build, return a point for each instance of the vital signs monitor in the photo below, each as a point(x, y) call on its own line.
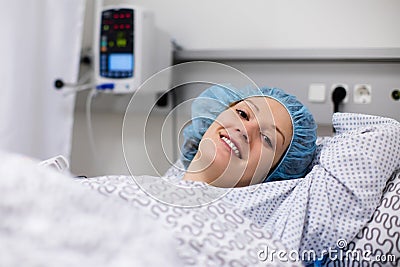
point(128, 49)
point(124, 48)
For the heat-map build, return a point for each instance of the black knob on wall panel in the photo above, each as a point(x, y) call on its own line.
point(396, 94)
point(58, 84)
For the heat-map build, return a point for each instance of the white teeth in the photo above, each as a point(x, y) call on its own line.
point(231, 145)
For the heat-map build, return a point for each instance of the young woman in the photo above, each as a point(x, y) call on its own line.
point(247, 136)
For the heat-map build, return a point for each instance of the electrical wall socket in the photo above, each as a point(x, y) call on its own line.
point(345, 86)
point(362, 94)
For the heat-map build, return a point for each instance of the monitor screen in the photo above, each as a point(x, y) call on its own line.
point(120, 62)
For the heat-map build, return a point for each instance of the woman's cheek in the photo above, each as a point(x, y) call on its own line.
point(263, 165)
point(208, 151)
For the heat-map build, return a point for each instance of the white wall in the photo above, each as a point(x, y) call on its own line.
point(109, 158)
point(261, 24)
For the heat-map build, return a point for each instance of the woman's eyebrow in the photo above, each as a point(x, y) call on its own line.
point(254, 105)
point(279, 131)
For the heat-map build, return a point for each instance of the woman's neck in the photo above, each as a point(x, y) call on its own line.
point(192, 174)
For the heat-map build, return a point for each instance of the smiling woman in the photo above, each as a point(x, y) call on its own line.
point(247, 139)
point(262, 135)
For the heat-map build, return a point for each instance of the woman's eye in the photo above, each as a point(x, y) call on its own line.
point(267, 140)
point(242, 114)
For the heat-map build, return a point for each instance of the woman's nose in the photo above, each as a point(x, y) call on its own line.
point(243, 134)
point(248, 130)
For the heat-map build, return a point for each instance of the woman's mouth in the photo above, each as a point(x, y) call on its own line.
point(232, 146)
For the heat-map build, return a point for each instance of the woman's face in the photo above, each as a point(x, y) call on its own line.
point(243, 143)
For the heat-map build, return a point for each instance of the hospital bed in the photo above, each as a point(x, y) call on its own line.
point(58, 220)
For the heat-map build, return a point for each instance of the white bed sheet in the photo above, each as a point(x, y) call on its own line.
point(46, 219)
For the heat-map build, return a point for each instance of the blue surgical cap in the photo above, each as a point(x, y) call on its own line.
point(209, 104)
